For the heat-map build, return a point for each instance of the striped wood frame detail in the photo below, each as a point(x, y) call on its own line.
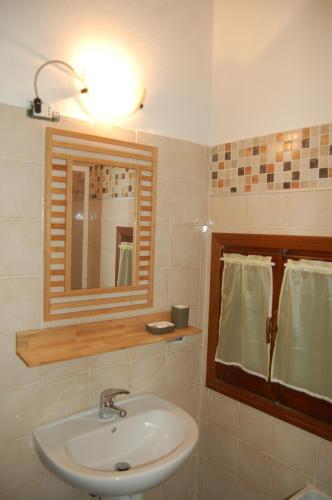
point(63, 150)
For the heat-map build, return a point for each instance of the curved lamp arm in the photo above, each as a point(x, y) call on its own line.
point(84, 90)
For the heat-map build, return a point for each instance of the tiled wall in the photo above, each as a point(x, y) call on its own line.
point(246, 454)
point(235, 461)
point(292, 160)
point(30, 396)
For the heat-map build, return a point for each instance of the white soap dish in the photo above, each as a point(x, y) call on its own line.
point(160, 327)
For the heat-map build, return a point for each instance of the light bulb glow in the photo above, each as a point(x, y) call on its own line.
point(115, 90)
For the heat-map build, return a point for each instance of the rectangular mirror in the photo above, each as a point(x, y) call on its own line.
point(99, 225)
point(102, 226)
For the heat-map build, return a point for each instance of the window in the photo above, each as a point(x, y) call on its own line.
point(246, 376)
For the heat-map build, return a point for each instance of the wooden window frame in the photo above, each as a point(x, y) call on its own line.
point(297, 408)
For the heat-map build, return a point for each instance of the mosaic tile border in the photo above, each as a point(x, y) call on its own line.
point(112, 182)
point(285, 161)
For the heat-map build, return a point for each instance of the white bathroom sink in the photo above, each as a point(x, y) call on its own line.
point(155, 438)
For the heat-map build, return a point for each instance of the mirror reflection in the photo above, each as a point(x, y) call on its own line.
point(103, 220)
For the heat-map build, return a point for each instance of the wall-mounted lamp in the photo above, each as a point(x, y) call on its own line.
point(43, 111)
point(122, 99)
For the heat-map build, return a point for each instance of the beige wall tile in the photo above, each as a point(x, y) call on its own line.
point(161, 289)
point(162, 244)
point(185, 245)
point(324, 465)
point(148, 374)
point(20, 304)
point(63, 368)
point(267, 210)
point(221, 449)
point(256, 428)
point(21, 137)
point(187, 202)
point(20, 250)
point(201, 368)
point(186, 343)
point(188, 161)
point(246, 492)
point(181, 369)
point(63, 396)
point(32, 491)
point(202, 439)
point(229, 211)
point(311, 209)
point(194, 317)
point(21, 411)
point(219, 485)
point(20, 189)
point(184, 286)
point(165, 151)
point(296, 447)
point(55, 489)
point(201, 403)
point(178, 483)
point(68, 123)
point(305, 231)
point(19, 465)
point(148, 350)
point(111, 131)
point(254, 468)
point(207, 159)
point(184, 398)
point(110, 358)
point(12, 369)
point(153, 494)
point(200, 478)
point(286, 481)
point(223, 412)
point(109, 376)
point(163, 201)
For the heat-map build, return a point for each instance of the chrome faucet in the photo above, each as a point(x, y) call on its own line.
point(107, 407)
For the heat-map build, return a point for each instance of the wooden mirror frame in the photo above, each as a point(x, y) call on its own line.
point(64, 149)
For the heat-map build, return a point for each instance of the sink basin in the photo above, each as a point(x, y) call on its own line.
point(148, 445)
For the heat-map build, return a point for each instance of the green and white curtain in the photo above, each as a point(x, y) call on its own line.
point(125, 271)
point(303, 352)
point(247, 287)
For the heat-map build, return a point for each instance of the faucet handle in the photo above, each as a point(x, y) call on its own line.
point(112, 392)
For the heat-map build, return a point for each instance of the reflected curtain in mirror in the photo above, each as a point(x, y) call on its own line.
point(125, 272)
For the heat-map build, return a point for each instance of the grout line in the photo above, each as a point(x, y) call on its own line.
point(223, 194)
point(20, 219)
point(15, 440)
point(89, 381)
point(316, 460)
point(25, 386)
point(19, 276)
point(20, 160)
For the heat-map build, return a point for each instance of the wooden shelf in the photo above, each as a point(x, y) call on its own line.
point(51, 345)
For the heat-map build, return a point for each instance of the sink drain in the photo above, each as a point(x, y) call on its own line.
point(122, 466)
